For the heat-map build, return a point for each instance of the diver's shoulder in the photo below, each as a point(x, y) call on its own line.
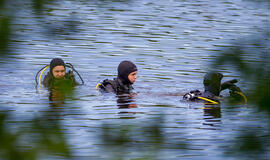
point(106, 82)
point(107, 85)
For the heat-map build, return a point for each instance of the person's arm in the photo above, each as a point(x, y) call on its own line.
point(228, 84)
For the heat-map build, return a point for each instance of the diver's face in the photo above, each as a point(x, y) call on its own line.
point(59, 72)
point(132, 76)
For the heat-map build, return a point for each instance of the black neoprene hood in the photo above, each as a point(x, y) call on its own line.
point(124, 69)
point(56, 62)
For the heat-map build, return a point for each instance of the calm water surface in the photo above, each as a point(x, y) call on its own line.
point(172, 43)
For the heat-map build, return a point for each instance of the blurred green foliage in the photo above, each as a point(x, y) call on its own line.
point(33, 140)
point(5, 32)
point(38, 6)
point(146, 139)
point(8, 11)
point(44, 136)
point(252, 62)
point(255, 71)
point(40, 137)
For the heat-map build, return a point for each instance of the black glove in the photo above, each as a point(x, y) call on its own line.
point(236, 95)
point(234, 90)
point(228, 84)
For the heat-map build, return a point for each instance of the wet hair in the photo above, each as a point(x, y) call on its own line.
point(124, 69)
point(56, 62)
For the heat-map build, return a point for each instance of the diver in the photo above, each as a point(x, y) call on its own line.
point(127, 75)
point(213, 87)
point(57, 77)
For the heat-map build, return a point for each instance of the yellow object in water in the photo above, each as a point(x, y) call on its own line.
point(97, 86)
point(208, 100)
point(39, 80)
point(242, 94)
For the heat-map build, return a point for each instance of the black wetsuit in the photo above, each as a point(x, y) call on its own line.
point(212, 89)
point(116, 86)
point(121, 84)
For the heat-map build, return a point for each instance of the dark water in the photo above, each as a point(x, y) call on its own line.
point(172, 43)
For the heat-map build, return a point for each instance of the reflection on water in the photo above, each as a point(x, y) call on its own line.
point(57, 97)
point(212, 116)
point(126, 101)
point(171, 42)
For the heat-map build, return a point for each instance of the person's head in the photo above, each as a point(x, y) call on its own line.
point(58, 68)
point(127, 72)
point(212, 82)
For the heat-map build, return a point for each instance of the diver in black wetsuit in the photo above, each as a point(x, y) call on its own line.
point(57, 77)
point(59, 82)
point(212, 89)
point(127, 75)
